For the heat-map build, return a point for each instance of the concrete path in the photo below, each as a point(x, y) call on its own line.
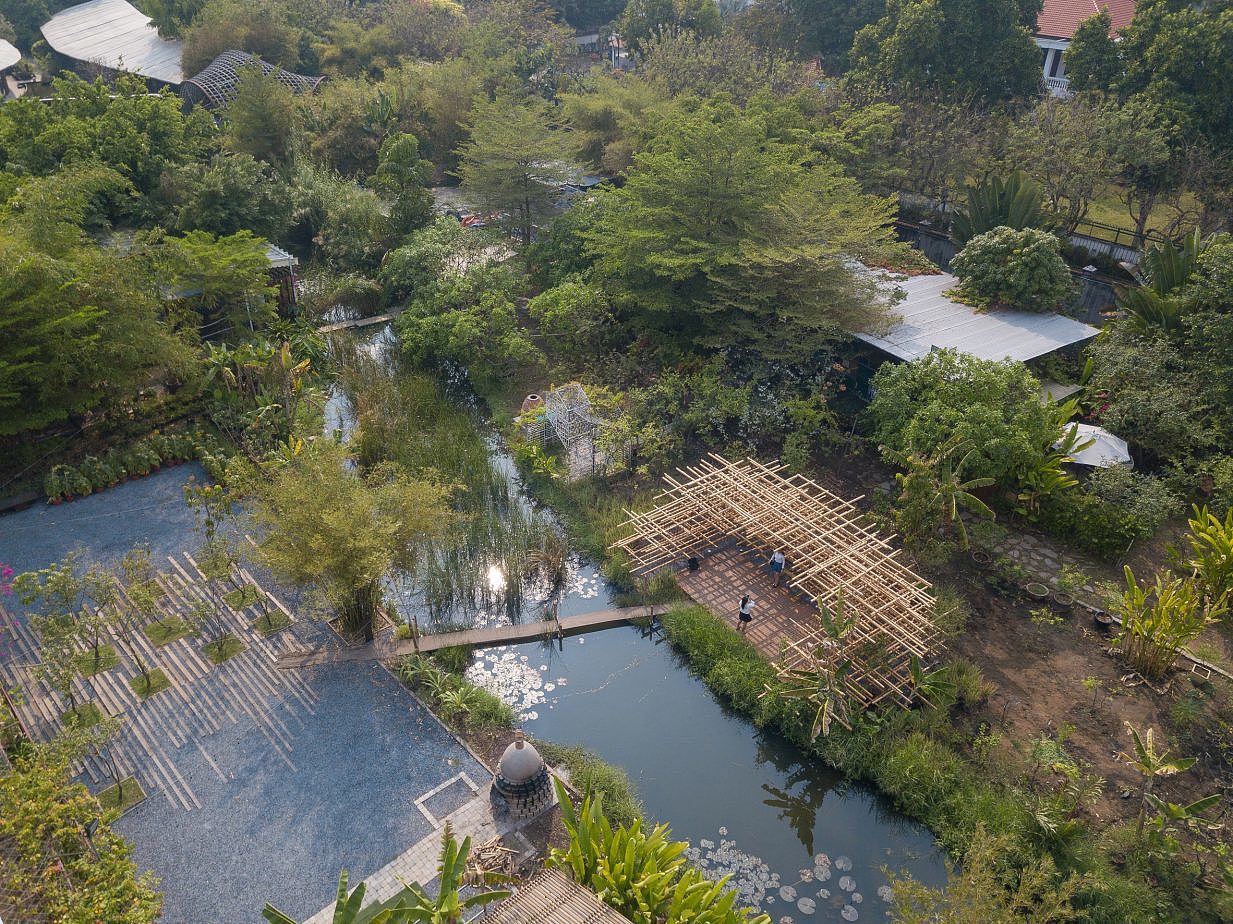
point(386, 649)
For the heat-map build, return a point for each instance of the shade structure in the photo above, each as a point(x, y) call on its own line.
point(8, 55)
point(115, 35)
point(928, 319)
point(1106, 450)
point(215, 86)
point(840, 562)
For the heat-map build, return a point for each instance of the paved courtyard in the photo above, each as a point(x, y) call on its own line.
point(262, 783)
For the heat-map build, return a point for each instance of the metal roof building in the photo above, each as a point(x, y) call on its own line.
point(929, 320)
point(8, 55)
point(215, 86)
point(115, 35)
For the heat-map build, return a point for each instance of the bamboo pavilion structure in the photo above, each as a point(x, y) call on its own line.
point(835, 554)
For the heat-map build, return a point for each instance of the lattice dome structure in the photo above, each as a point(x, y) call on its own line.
point(215, 86)
point(571, 421)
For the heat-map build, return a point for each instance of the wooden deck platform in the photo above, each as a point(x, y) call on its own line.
point(386, 649)
point(780, 616)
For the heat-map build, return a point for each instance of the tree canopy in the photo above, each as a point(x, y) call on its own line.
point(726, 236)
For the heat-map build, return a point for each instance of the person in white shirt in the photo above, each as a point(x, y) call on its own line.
point(778, 560)
point(745, 614)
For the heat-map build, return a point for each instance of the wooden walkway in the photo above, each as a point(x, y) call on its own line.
point(387, 649)
point(358, 322)
point(780, 616)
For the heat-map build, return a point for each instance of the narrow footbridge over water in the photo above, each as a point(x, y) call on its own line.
point(385, 649)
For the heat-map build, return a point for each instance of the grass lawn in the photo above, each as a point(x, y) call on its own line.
point(121, 796)
point(87, 715)
point(271, 622)
point(165, 631)
point(88, 665)
point(158, 682)
point(220, 649)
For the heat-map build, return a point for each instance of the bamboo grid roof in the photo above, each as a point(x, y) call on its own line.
point(834, 552)
point(550, 897)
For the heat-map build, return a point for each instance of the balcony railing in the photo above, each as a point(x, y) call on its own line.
point(1058, 86)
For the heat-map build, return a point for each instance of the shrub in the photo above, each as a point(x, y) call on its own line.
point(1014, 269)
point(490, 712)
point(588, 773)
point(920, 774)
point(1089, 523)
point(455, 659)
point(1144, 500)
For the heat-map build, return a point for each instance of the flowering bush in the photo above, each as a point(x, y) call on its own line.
point(1014, 269)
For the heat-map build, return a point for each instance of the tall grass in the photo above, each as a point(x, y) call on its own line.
point(497, 543)
point(589, 773)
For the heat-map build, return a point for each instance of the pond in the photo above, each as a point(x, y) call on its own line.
point(800, 842)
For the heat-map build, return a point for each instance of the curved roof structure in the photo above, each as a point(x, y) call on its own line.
point(115, 35)
point(8, 55)
point(215, 86)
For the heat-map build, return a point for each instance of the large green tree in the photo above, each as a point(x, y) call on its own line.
point(725, 236)
point(831, 25)
point(643, 19)
point(965, 48)
point(260, 118)
point(994, 407)
point(516, 161)
point(81, 327)
point(234, 192)
point(402, 177)
point(1178, 54)
point(341, 532)
point(222, 277)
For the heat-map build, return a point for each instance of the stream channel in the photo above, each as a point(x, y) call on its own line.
point(799, 841)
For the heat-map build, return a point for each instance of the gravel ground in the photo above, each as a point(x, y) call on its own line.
point(271, 833)
point(266, 830)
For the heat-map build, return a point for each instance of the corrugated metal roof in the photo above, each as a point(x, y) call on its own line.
point(930, 320)
point(279, 257)
point(115, 35)
point(8, 55)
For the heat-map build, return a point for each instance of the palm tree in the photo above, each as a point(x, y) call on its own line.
point(932, 487)
point(1153, 765)
point(1016, 202)
point(1154, 306)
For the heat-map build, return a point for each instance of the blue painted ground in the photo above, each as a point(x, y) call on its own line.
point(268, 831)
point(271, 833)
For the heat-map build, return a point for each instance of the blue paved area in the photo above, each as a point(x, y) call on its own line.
point(273, 833)
point(149, 510)
point(272, 826)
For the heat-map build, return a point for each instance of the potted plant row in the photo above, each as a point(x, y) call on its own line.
point(149, 454)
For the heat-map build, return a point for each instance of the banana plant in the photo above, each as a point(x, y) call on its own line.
point(824, 684)
point(934, 686)
point(347, 909)
point(1192, 814)
point(1152, 764)
point(1155, 305)
point(448, 906)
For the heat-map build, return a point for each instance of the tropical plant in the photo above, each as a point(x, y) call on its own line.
point(1012, 268)
point(642, 874)
point(412, 904)
point(1158, 620)
point(1015, 202)
point(1165, 270)
point(932, 492)
point(1211, 551)
point(1153, 764)
point(823, 685)
point(933, 687)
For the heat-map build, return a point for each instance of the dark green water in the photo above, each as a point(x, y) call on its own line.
point(746, 800)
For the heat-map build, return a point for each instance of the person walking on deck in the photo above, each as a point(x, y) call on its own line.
point(778, 561)
point(745, 615)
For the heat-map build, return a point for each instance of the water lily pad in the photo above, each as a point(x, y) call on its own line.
point(856, 898)
point(886, 893)
point(847, 883)
point(821, 873)
point(787, 893)
point(807, 906)
point(849, 913)
point(843, 864)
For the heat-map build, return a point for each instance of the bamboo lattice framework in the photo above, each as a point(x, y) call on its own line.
point(835, 553)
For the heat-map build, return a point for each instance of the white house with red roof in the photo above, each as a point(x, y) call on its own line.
point(1056, 26)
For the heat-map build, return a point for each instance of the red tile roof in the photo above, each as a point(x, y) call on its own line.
point(1060, 18)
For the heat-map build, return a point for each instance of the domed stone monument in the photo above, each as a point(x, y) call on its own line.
point(523, 786)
